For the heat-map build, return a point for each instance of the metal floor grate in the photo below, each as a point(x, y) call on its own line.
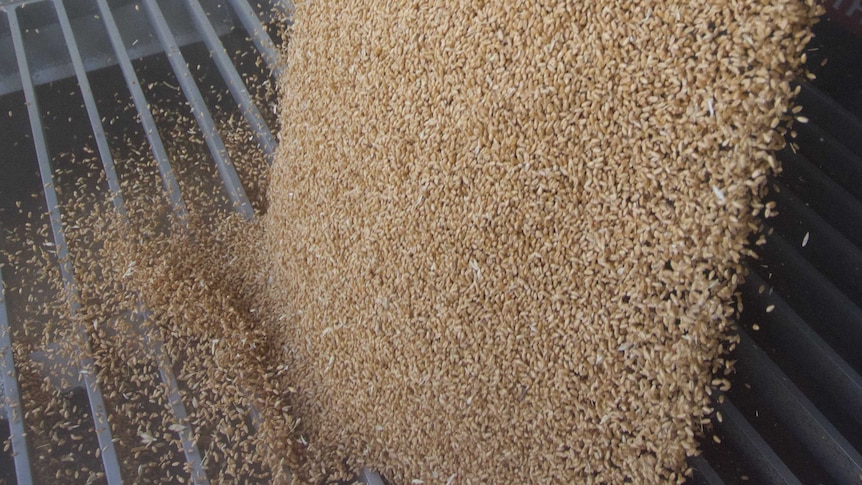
point(40, 42)
point(794, 414)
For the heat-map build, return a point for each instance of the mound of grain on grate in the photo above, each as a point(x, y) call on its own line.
point(181, 286)
point(506, 235)
point(188, 282)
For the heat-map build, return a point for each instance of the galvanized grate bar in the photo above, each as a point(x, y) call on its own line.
point(231, 180)
point(258, 34)
point(763, 460)
point(12, 396)
point(233, 80)
point(190, 449)
point(88, 369)
point(802, 418)
point(172, 188)
point(92, 111)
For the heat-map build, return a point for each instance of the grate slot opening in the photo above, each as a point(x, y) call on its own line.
point(234, 187)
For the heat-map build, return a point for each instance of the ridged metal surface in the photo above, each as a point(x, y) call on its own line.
point(794, 412)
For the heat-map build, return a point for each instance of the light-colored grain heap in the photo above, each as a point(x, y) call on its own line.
point(507, 234)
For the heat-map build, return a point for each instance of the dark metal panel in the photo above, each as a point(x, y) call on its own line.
point(808, 348)
point(818, 242)
point(742, 435)
point(839, 162)
point(835, 204)
point(826, 112)
point(814, 297)
point(370, 477)
point(801, 417)
point(703, 473)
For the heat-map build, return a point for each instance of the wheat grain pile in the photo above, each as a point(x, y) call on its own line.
point(506, 235)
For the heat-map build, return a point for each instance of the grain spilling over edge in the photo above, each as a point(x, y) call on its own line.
point(505, 236)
